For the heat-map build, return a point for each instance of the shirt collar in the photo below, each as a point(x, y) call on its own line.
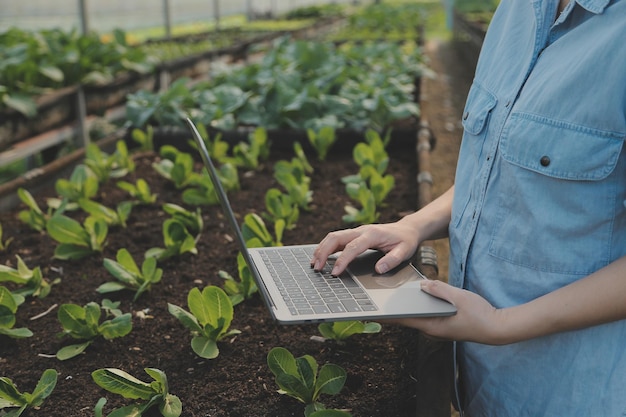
point(594, 6)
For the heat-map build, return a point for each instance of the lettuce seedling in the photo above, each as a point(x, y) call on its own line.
point(362, 194)
point(106, 166)
point(4, 243)
point(209, 317)
point(281, 207)
point(339, 331)
point(145, 140)
point(322, 140)
point(83, 183)
point(111, 217)
point(83, 323)
point(31, 281)
point(139, 191)
point(299, 151)
point(177, 240)
point(202, 190)
point(129, 275)
point(247, 155)
point(292, 176)
point(255, 232)
point(8, 308)
point(76, 241)
point(34, 217)
point(11, 397)
point(176, 166)
point(217, 148)
point(155, 393)
point(299, 378)
point(241, 290)
point(192, 220)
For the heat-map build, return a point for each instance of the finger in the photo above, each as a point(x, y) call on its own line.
point(439, 289)
point(351, 250)
point(332, 242)
point(391, 259)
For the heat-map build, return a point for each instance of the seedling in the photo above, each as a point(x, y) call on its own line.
point(292, 176)
point(217, 148)
point(144, 139)
point(31, 281)
point(83, 323)
point(140, 191)
point(241, 290)
point(177, 240)
point(367, 214)
point(4, 243)
point(34, 216)
point(322, 140)
point(247, 155)
point(192, 220)
point(129, 275)
point(76, 241)
point(339, 331)
point(299, 378)
point(111, 217)
point(11, 397)
point(202, 190)
point(83, 183)
point(209, 317)
point(255, 232)
point(176, 166)
point(106, 166)
point(8, 308)
point(281, 208)
point(155, 393)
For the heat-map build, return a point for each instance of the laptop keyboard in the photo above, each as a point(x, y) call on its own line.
point(307, 291)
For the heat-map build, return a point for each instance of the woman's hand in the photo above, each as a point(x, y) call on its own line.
point(476, 320)
point(396, 240)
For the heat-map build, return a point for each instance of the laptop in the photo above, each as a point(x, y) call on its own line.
point(295, 293)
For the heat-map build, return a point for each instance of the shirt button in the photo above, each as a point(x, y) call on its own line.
point(544, 161)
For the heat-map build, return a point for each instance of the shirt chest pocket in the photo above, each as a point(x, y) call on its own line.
point(560, 187)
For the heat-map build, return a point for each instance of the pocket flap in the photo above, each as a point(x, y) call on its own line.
point(479, 103)
point(559, 149)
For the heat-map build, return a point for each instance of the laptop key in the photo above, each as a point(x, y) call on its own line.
point(336, 308)
point(351, 305)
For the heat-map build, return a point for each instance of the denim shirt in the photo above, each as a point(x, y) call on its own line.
point(540, 202)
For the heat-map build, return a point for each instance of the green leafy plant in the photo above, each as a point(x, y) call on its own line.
point(176, 166)
point(255, 232)
point(209, 317)
point(34, 217)
point(281, 208)
point(117, 217)
point(248, 154)
point(217, 148)
point(298, 150)
point(8, 308)
point(77, 241)
point(83, 323)
point(192, 220)
point(367, 213)
point(128, 274)
point(339, 331)
point(139, 191)
point(105, 166)
point(11, 397)
point(322, 140)
point(241, 290)
point(155, 393)
point(83, 183)
point(30, 281)
point(292, 176)
point(145, 139)
point(299, 378)
point(177, 240)
point(4, 243)
point(202, 190)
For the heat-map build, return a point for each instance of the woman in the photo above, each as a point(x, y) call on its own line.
point(536, 218)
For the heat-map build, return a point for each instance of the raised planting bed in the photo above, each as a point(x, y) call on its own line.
point(382, 369)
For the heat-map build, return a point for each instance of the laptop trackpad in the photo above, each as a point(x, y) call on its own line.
point(363, 269)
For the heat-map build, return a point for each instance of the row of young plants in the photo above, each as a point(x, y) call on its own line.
point(298, 85)
point(211, 310)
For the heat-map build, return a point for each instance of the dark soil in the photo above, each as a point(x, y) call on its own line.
point(238, 382)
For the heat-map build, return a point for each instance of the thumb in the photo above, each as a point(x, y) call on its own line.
point(438, 289)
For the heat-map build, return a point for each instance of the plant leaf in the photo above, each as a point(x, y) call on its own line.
point(122, 383)
point(44, 387)
point(70, 351)
point(205, 347)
